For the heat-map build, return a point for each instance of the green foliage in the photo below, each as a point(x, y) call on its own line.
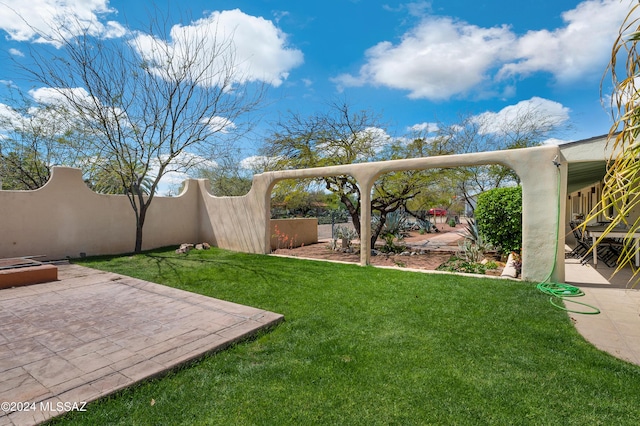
point(474, 246)
point(499, 216)
point(491, 265)
point(425, 226)
point(456, 264)
point(226, 181)
point(394, 228)
point(342, 135)
point(113, 177)
point(22, 172)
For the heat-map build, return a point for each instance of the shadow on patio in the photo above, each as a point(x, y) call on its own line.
point(616, 329)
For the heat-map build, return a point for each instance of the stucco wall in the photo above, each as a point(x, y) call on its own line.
point(65, 218)
point(290, 233)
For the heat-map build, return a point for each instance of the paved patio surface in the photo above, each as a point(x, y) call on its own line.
point(92, 333)
point(616, 329)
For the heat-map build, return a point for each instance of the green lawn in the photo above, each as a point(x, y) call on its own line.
point(366, 346)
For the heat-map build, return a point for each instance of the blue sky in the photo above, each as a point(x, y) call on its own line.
point(415, 63)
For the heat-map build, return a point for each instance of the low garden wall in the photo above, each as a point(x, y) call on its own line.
point(291, 233)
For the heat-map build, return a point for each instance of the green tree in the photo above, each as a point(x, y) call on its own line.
point(341, 136)
point(525, 126)
point(34, 137)
point(226, 178)
point(437, 186)
point(22, 172)
point(105, 178)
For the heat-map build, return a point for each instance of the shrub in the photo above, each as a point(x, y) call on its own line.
point(499, 217)
point(455, 264)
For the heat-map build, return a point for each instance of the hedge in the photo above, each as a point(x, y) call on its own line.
point(499, 217)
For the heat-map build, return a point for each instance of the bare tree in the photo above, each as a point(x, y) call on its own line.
point(151, 103)
point(526, 126)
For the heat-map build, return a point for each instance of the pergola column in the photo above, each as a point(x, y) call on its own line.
point(366, 185)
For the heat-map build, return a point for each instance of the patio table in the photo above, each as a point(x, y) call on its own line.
point(596, 232)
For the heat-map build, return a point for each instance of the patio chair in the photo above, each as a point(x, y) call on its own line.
point(582, 247)
point(606, 251)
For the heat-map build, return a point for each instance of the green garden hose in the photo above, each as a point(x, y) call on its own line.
point(560, 291)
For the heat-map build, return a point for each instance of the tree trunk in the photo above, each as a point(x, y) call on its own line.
point(354, 212)
point(375, 233)
point(139, 225)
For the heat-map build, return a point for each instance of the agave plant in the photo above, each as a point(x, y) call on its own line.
point(394, 228)
point(473, 247)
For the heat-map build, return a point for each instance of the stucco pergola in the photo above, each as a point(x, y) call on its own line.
point(543, 174)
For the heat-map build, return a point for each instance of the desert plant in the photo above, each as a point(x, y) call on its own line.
point(395, 228)
point(425, 226)
point(283, 240)
point(346, 234)
point(473, 247)
point(395, 223)
point(390, 245)
point(619, 193)
point(469, 251)
point(456, 264)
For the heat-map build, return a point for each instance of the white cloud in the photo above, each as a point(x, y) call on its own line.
point(258, 163)
point(258, 49)
point(536, 111)
point(9, 118)
point(581, 47)
point(39, 20)
point(15, 52)
point(442, 57)
point(51, 96)
point(52, 120)
point(424, 127)
point(220, 124)
point(436, 60)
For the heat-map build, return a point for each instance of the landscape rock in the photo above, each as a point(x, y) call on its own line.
point(185, 248)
